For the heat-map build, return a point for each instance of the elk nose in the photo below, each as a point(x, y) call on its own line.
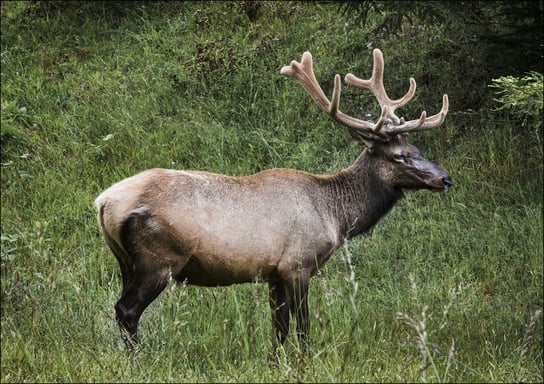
point(447, 182)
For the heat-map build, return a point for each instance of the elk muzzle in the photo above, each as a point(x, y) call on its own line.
point(437, 179)
point(440, 183)
point(431, 175)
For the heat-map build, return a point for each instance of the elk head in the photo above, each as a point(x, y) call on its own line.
point(399, 164)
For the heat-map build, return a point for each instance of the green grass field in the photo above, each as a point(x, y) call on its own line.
point(447, 288)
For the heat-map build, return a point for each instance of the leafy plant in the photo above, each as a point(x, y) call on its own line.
point(507, 33)
point(522, 98)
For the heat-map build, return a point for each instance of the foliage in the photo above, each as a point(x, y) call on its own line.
point(93, 92)
point(522, 97)
point(507, 33)
point(423, 12)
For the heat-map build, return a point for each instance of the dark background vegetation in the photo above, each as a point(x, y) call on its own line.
point(448, 287)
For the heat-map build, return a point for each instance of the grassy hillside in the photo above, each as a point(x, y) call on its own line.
point(448, 287)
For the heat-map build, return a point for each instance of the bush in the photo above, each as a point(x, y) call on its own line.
point(522, 99)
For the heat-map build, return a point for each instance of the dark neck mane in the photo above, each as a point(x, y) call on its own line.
point(360, 196)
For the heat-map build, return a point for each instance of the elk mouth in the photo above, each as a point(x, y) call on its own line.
point(439, 184)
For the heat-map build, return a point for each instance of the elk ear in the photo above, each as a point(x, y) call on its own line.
point(403, 138)
point(362, 137)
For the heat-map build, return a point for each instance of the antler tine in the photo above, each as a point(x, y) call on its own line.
point(396, 125)
point(375, 85)
point(303, 72)
point(424, 122)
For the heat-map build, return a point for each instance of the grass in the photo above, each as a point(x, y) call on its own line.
point(95, 92)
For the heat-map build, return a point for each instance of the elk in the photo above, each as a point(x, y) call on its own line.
point(279, 226)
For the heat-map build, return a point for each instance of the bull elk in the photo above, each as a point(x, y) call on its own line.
point(278, 226)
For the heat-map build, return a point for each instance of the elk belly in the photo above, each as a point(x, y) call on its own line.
point(211, 271)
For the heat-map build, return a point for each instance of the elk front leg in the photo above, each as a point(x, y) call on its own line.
point(298, 299)
point(279, 307)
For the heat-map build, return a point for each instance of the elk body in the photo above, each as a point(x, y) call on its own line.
point(278, 226)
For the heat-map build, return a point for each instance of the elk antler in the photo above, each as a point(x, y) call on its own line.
point(396, 125)
point(389, 124)
point(304, 73)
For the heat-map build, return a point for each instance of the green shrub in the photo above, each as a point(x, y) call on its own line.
point(522, 99)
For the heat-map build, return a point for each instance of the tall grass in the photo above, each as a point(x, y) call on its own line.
point(95, 92)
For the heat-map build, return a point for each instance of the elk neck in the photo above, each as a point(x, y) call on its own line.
point(359, 196)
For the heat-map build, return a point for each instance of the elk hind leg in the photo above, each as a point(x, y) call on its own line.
point(147, 265)
point(126, 318)
point(137, 294)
